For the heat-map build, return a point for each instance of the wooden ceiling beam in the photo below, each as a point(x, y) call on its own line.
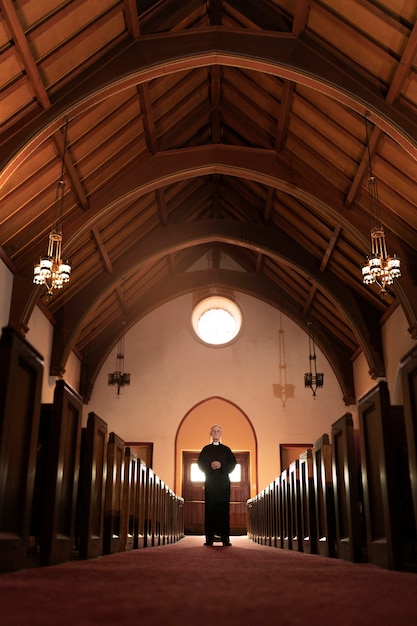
point(102, 250)
point(289, 58)
point(215, 12)
point(131, 18)
point(148, 118)
point(330, 248)
point(12, 20)
point(284, 114)
point(394, 91)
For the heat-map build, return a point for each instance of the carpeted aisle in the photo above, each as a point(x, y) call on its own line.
point(187, 583)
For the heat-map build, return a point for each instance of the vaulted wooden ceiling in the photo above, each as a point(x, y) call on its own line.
point(209, 129)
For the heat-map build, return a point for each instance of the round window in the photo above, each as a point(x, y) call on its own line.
point(216, 320)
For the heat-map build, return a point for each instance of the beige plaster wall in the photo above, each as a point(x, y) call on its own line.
point(172, 372)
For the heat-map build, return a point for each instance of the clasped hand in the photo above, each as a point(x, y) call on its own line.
point(215, 465)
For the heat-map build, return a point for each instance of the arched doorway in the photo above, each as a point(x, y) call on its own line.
point(192, 435)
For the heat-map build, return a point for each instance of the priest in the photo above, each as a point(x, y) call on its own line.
point(217, 461)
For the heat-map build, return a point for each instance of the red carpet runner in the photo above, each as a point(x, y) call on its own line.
point(192, 585)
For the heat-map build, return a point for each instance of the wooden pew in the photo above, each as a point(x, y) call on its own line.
point(266, 515)
point(308, 503)
point(62, 429)
point(279, 538)
point(140, 505)
point(129, 494)
point(286, 511)
point(250, 503)
point(179, 517)
point(21, 371)
point(409, 389)
point(164, 514)
point(114, 494)
point(156, 512)
point(323, 486)
point(272, 515)
point(386, 481)
point(93, 473)
point(346, 470)
point(149, 525)
point(295, 506)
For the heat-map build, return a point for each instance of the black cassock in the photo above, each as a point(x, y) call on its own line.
point(217, 490)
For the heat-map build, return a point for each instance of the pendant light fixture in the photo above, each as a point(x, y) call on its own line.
point(119, 378)
point(379, 268)
point(313, 380)
point(51, 270)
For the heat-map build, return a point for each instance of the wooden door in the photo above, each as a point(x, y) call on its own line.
point(193, 494)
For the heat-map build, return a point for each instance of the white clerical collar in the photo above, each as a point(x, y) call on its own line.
point(216, 443)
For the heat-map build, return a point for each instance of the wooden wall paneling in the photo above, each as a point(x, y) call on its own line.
point(346, 470)
point(57, 538)
point(295, 505)
point(21, 372)
point(308, 502)
point(323, 486)
point(409, 389)
point(386, 482)
point(93, 473)
point(114, 494)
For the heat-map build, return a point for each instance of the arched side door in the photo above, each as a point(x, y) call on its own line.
point(193, 494)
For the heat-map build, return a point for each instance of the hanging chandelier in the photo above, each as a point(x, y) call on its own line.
point(380, 268)
point(313, 380)
point(51, 270)
point(119, 377)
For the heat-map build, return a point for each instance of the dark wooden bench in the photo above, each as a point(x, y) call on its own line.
point(387, 493)
point(409, 389)
point(61, 425)
point(127, 518)
point(323, 486)
point(295, 506)
point(140, 505)
point(93, 473)
point(346, 483)
point(114, 494)
point(308, 529)
point(286, 510)
point(21, 371)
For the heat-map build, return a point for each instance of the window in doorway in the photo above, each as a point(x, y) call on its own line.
point(197, 476)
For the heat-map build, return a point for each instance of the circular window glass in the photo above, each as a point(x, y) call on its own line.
point(216, 320)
